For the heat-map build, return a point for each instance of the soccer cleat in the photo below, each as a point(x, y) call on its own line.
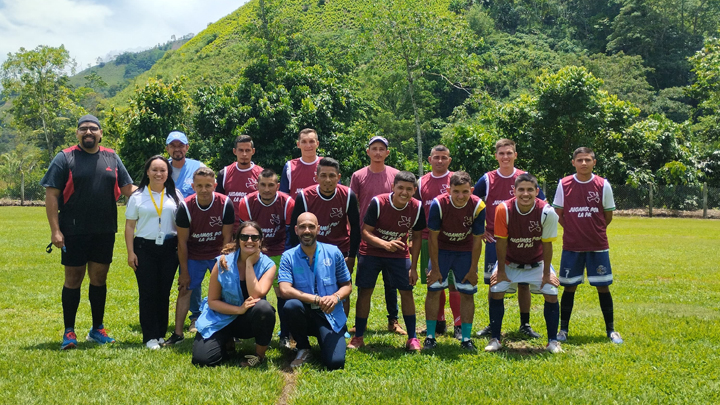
point(468, 345)
point(303, 355)
point(429, 344)
point(493, 345)
point(192, 329)
point(152, 344)
point(441, 328)
point(554, 347)
point(562, 335)
point(486, 331)
point(615, 338)
point(173, 340)
point(356, 343)
point(394, 326)
point(99, 335)
point(458, 332)
point(528, 331)
point(69, 339)
point(413, 345)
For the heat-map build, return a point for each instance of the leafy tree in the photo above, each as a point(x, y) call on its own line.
point(16, 165)
point(706, 90)
point(95, 82)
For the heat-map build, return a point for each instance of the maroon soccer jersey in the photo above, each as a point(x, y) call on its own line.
point(457, 223)
point(584, 206)
point(273, 218)
point(366, 185)
point(499, 189)
point(524, 232)
point(301, 175)
point(205, 241)
point(391, 223)
point(430, 187)
point(331, 214)
point(238, 183)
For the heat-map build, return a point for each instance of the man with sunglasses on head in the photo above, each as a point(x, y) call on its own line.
point(82, 186)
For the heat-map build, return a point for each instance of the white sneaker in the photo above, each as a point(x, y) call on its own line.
point(303, 355)
point(161, 341)
point(493, 345)
point(554, 347)
point(192, 329)
point(562, 335)
point(152, 344)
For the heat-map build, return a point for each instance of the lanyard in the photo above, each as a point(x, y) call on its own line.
point(159, 210)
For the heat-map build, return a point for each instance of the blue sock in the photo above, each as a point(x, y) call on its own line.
point(410, 321)
point(552, 318)
point(360, 326)
point(431, 328)
point(466, 331)
point(497, 311)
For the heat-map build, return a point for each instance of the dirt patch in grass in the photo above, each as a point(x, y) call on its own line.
point(663, 212)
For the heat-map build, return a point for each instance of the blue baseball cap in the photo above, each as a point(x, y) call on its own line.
point(378, 139)
point(176, 136)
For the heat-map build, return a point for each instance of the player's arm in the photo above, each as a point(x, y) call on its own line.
point(561, 217)
point(228, 221)
point(220, 180)
point(559, 203)
point(608, 202)
point(608, 217)
point(297, 210)
point(216, 303)
point(284, 180)
point(52, 204)
point(353, 214)
point(478, 228)
point(501, 244)
point(549, 234)
point(258, 288)
point(420, 225)
point(123, 177)
point(183, 234)
point(129, 236)
point(434, 227)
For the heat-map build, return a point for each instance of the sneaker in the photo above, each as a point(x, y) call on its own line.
point(413, 345)
point(441, 328)
point(99, 335)
point(615, 337)
point(394, 327)
point(493, 345)
point(457, 331)
point(69, 339)
point(173, 340)
point(152, 344)
point(486, 331)
point(285, 342)
point(554, 347)
point(528, 331)
point(562, 336)
point(192, 328)
point(356, 343)
point(429, 344)
point(253, 360)
point(303, 355)
point(468, 345)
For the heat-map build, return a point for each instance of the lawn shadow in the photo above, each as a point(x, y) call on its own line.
point(55, 346)
point(580, 340)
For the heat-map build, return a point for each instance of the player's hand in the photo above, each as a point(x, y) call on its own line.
point(223, 262)
point(350, 263)
point(471, 277)
point(488, 237)
point(133, 261)
point(252, 259)
point(497, 277)
point(433, 276)
point(394, 245)
point(183, 281)
point(413, 277)
point(549, 279)
point(247, 304)
point(58, 239)
point(327, 303)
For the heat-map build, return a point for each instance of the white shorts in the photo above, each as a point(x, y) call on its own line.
point(520, 274)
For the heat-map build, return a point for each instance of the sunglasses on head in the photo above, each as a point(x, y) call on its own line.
point(245, 237)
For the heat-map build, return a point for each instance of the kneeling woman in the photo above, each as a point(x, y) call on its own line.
point(236, 306)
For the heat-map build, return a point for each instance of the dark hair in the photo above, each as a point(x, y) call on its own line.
point(405, 176)
point(504, 142)
point(235, 244)
point(583, 149)
point(169, 183)
point(526, 177)
point(244, 139)
point(268, 173)
point(460, 178)
point(439, 148)
point(204, 171)
point(307, 131)
point(328, 162)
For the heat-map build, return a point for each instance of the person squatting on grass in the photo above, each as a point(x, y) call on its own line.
point(525, 227)
point(82, 186)
point(584, 203)
point(204, 223)
point(314, 279)
point(151, 241)
point(236, 306)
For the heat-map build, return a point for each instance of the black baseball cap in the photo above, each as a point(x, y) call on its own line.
point(89, 118)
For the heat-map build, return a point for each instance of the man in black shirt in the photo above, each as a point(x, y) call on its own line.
point(82, 186)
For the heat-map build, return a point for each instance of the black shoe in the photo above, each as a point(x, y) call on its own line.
point(528, 331)
point(468, 345)
point(173, 340)
point(486, 331)
point(458, 333)
point(441, 327)
point(429, 344)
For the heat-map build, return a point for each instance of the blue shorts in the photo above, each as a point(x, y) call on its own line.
point(573, 264)
point(459, 263)
point(368, 268)
point(490, 260)
point(197, 270)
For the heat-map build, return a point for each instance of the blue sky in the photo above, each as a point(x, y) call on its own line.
point(90, 28)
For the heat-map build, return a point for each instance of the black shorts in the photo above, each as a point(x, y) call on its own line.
point(80, 249)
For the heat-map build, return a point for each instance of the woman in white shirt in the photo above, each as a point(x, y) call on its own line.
point(151, 240)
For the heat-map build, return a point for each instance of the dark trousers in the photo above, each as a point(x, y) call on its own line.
point(156, 269)
point(258, 323)
point(304, 321)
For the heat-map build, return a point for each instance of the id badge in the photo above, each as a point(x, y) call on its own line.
point(160, 238)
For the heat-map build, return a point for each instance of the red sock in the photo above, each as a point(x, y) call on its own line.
point(455, 306)
point(441, 310)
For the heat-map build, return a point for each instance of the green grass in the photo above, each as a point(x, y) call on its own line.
point(667, 307)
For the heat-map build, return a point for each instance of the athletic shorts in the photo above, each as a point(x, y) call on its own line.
point(425, 265)
point(524, 274)
point(573, 265)
point(276, 260)
point(490, 261)
point(459, 263)
point(197, 270)
point(80, 249)
point(370, 266)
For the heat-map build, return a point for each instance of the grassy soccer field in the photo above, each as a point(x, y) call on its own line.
point(667, 308)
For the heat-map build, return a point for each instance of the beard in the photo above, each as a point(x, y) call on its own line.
point(89, 142)
point(178, 156)
point(308, 241)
